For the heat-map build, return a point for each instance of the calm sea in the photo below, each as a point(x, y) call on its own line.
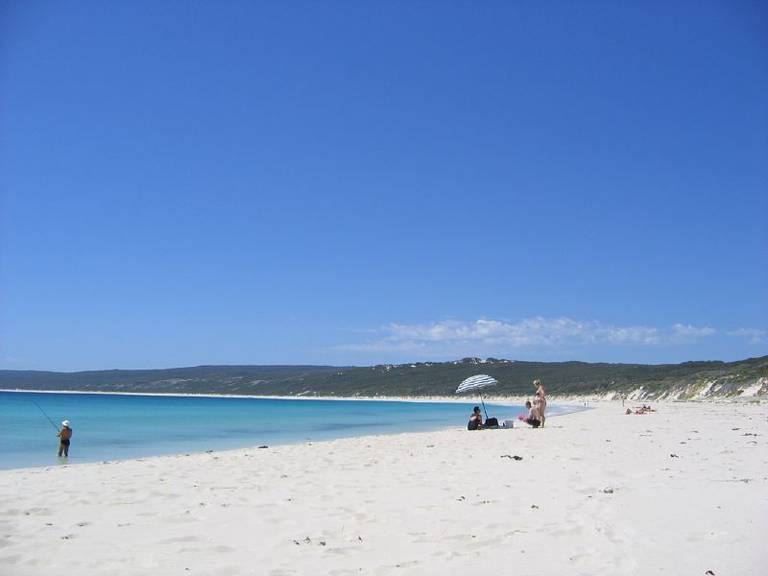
point(116, 427)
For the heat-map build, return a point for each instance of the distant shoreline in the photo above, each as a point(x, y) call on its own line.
point(510, 401)
point(570, 400)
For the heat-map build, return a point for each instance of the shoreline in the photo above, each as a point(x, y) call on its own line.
point(218, 444)
point(276, 445)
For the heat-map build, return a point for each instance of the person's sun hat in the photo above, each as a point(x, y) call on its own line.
point(65, 423)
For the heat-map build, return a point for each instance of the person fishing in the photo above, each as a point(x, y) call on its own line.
point(65, 437)
point(65, 434)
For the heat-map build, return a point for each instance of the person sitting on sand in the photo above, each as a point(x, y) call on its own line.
point(65, 435)
point(475, 420)
point(534, 417)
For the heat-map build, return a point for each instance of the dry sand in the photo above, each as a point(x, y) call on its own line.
point(680, 491)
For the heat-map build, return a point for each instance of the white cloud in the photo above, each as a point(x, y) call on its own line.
point(686, 331)
point(494, 336)
point(754, 335)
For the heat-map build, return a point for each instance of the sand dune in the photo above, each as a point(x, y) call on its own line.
point(680, 491)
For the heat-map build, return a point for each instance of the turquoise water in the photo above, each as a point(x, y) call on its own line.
point(116, 427)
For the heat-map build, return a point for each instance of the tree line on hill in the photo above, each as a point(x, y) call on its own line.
point(420, 379)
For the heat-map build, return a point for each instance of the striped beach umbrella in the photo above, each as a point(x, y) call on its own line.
point(477, 383)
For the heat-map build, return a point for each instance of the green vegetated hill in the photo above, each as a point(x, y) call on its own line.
point(684, 381)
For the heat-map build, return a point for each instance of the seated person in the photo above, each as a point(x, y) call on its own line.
point(475, 420)
point(534, 418)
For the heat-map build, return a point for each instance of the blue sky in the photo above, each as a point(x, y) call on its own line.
point(191, 183)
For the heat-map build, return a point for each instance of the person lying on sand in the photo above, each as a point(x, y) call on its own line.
point(475, 420)
point(534, 417)
point(641, 410)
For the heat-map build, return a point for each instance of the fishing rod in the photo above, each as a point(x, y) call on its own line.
point(46, 415)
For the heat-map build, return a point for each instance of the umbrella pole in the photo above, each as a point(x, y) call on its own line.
point(483, 403)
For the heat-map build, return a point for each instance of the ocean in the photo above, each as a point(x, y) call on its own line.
point(119, 427)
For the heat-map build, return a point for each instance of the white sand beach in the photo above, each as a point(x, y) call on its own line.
point(683, 490)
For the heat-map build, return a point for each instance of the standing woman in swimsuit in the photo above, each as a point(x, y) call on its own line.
point(65, 434)
point(542, 400)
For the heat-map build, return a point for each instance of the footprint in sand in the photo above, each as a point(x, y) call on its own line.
point(38, 512)
point(13, 559)
point(227, 571)
point(564, 531)
point(180, 539)
point(405, 564)
point(184, 518)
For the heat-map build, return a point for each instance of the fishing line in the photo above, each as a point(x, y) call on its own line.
point(46, 415)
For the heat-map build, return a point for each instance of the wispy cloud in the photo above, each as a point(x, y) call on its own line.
point(754, 335)
point(484, 335)
point(688, 332)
